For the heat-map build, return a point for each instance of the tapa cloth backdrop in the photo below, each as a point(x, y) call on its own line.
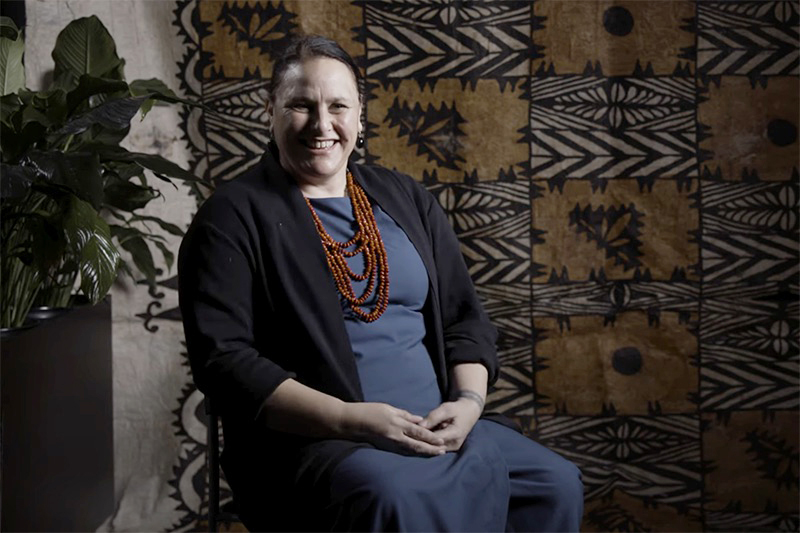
point(623, 177)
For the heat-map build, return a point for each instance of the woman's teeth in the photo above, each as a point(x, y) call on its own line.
point(319, 144)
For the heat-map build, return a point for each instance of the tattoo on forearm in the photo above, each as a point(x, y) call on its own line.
point(474, 396)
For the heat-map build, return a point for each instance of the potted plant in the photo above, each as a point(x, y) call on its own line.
point(71, 200)
point(71, 195)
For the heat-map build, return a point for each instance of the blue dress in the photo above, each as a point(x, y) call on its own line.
point(499, 480)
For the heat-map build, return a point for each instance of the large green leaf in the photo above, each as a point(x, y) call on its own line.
point(97, 134)
point(166, 226)
point(152, 86)
point(89, 86)
point(15, 180)
point(98, 264)
point(38, 226)
point(127, 196)
point(85, 47)
point(50, 108)
point(160, 166)
point(80, 172)
point(14, 142)
point(9, 104)
point(89, 238)
point(12, 71)
point(134, 242)
point(32, 114)
point(113, 115)
point(122, 170)
point(157, 90)
point(169, 257)
point(8, 29)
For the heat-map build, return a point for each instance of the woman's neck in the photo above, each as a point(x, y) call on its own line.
point(329, 188)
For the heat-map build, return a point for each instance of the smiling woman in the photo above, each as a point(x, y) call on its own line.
point(330, 316)
point(315, 122)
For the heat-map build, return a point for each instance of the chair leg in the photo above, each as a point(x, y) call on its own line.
point(213, 472)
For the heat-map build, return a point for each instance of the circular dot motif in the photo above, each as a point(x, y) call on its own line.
point(627, 360)
point(618, 21)
point(781, 132)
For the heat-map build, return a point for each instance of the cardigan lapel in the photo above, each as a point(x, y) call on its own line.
point(302, 268)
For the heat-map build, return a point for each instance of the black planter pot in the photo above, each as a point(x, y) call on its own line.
point(57, 421)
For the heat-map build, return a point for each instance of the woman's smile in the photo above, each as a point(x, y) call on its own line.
point(319, 146)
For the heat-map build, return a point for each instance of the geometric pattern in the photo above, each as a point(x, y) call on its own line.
point(753, 39)
point(622, 452)
point(464, 41)
point(601, 128)
point(623, 179)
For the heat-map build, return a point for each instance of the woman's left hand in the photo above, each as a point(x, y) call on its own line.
point(452, 421)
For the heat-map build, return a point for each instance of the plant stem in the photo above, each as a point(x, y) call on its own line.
point(69, 141)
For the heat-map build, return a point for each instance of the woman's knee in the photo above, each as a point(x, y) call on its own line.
point(373, 502)
point(366, 480)
point(569, 481)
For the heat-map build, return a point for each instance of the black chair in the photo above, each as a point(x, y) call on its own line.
point(226, 514)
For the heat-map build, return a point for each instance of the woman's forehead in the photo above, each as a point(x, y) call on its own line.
point(325, 73)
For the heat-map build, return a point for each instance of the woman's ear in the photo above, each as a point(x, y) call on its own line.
point(270, 117)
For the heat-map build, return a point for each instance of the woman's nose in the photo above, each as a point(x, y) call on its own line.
point(321, 119)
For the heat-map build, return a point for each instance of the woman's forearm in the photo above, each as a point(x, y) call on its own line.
point(296, 408)
point(301, 410)
point(469, 378)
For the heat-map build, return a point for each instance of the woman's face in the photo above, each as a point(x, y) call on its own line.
point(315, 119)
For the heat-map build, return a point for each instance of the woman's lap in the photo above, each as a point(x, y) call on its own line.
point(469, 490)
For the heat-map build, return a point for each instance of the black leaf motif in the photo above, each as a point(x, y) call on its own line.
point(776, 458)
point(435, 132)
point(263, 26)
point(615, 230)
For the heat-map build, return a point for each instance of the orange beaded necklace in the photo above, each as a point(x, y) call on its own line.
point(367, 240)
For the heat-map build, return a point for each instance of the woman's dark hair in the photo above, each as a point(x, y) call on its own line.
point(303, 47)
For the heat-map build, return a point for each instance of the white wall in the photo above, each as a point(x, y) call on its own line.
point(148, 377)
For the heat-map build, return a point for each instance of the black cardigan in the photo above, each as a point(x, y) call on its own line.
point(259, 306)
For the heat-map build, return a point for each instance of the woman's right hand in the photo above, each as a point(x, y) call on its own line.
point(390, 428)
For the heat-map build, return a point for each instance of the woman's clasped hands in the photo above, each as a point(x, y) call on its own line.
point(443, 430)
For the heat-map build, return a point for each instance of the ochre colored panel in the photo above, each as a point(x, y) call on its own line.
point(577, 32)
point(633, 230)
point(448, 130)
point(243, 34)
point(752, 128)
point(336, 20)
point(637, 515)
point(628, 364)
point(230, 52)
point(754, 459)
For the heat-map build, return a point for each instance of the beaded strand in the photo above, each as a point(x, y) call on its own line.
point(367, 240)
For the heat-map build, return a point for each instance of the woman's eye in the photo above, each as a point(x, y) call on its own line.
point(301, 106)
point(339, 107)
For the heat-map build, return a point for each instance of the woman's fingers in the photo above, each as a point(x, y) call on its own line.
point(394, 429)
point(436, 417)
point(417, 432)
point(422, 447)
point(414, 419)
